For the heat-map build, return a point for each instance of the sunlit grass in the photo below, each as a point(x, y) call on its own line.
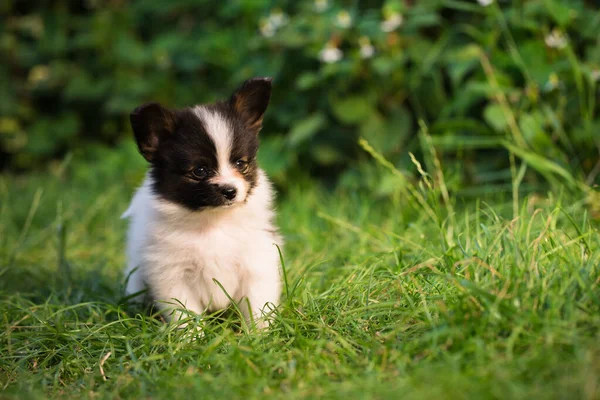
point(414, 295)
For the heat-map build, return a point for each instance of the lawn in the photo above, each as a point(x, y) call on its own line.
point(418, 294)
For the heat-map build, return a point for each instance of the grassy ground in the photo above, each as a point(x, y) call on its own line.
point(384, 298)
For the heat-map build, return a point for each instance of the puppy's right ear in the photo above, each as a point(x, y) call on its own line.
point(151, 124)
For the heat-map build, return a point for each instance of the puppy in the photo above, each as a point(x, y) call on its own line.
point(201, 225)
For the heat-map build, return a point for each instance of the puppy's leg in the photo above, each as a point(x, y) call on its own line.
point(263, 290)
point(263, 294)
point(175, 295)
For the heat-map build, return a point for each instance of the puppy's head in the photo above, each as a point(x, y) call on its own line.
point(204, 156)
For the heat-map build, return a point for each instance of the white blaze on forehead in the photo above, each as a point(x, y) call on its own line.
point(219, 130)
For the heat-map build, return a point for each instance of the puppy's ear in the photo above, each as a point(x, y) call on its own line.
point(250, 101)
point(151, 124)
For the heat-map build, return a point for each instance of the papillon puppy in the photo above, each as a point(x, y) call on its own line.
point(202, 227)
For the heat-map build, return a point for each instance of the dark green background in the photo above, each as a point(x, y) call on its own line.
point(71, 72)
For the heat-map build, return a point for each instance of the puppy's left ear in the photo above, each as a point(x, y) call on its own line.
point(250, 101)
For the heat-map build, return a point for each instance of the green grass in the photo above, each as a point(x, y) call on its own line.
point(383, 299)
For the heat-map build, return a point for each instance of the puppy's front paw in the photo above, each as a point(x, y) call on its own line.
point(193, 332)
point(262, 324)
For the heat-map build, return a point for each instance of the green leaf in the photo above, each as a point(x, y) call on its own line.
point(559, 11)
point(535, 58)
point(374, 129)
point(539, 163)
point(460, 62)
point(307, 80)
point(387, 135)
point(531, 127)
point(351, 110)
point(306, 128)
point(495, 118)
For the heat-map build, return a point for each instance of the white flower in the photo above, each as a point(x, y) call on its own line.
point(278, 18)
point(367, 51)
point(556, 39)
point(392, 22)
point(330, 54)
point(266, 28)
point(275, 20)
point(343, 19)
point(485, 3)
point(366, 48)
point(321, 5)
point(596, 75)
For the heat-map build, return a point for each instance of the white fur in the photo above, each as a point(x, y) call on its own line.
point(219, 130)
point(178, 253)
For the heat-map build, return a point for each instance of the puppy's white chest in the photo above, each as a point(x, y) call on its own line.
point(212, 264)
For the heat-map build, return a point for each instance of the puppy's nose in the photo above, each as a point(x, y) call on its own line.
point(229, 192)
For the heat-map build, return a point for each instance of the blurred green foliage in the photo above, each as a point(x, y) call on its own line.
point(487, 78)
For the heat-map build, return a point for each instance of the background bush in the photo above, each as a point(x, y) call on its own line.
point(487, 80)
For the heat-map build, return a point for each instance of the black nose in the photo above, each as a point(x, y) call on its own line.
point(229, 192)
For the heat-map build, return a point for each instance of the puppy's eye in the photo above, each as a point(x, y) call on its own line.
point(200, 173)
point(241, 165)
